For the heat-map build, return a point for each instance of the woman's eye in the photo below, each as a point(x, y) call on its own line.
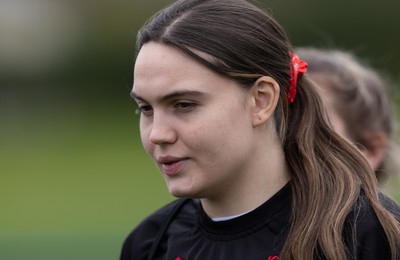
point(144, 110)
point(185, 106)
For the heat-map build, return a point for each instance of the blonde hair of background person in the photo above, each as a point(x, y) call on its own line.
point(234, 126)
point(357, 100)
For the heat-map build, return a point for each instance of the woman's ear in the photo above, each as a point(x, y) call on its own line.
point(264, 97)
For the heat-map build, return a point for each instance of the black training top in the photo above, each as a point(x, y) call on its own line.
point(257, 235)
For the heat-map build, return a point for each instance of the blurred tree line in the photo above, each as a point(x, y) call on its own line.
point(84, 49)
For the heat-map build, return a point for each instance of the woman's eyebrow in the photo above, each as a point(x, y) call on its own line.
point(135, 96)
point(172, 95)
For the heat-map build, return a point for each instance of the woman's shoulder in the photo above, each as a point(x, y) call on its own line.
point(364, 234)
point(364, 215)
point(181, 208)
point(390, 205)
point(140, 240)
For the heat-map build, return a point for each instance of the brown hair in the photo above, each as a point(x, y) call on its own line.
point(328, 173)
point(360, 96)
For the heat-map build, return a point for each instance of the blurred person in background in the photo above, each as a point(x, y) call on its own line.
point(242, 136)
point(358, 104)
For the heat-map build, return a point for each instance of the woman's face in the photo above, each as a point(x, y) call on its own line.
point(193, 122)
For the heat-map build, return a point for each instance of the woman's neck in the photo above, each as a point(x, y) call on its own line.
point(266, 175)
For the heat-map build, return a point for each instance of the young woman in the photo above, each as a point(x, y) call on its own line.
point(358, 104)
point(235, 127)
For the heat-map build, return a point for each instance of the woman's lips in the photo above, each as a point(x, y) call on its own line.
point(170, 165)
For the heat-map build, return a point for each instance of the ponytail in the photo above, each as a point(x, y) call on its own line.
point(328, 176)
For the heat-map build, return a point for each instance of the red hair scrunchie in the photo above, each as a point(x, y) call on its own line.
point(297, 67)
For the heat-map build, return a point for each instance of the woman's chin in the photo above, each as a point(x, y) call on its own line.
point(182, 192)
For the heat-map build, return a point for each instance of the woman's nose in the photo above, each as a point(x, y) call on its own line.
point(162, 131)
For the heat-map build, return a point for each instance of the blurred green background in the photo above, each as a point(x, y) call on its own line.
point(74, 177)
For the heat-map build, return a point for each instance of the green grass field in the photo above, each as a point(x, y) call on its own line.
point(73, 184)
